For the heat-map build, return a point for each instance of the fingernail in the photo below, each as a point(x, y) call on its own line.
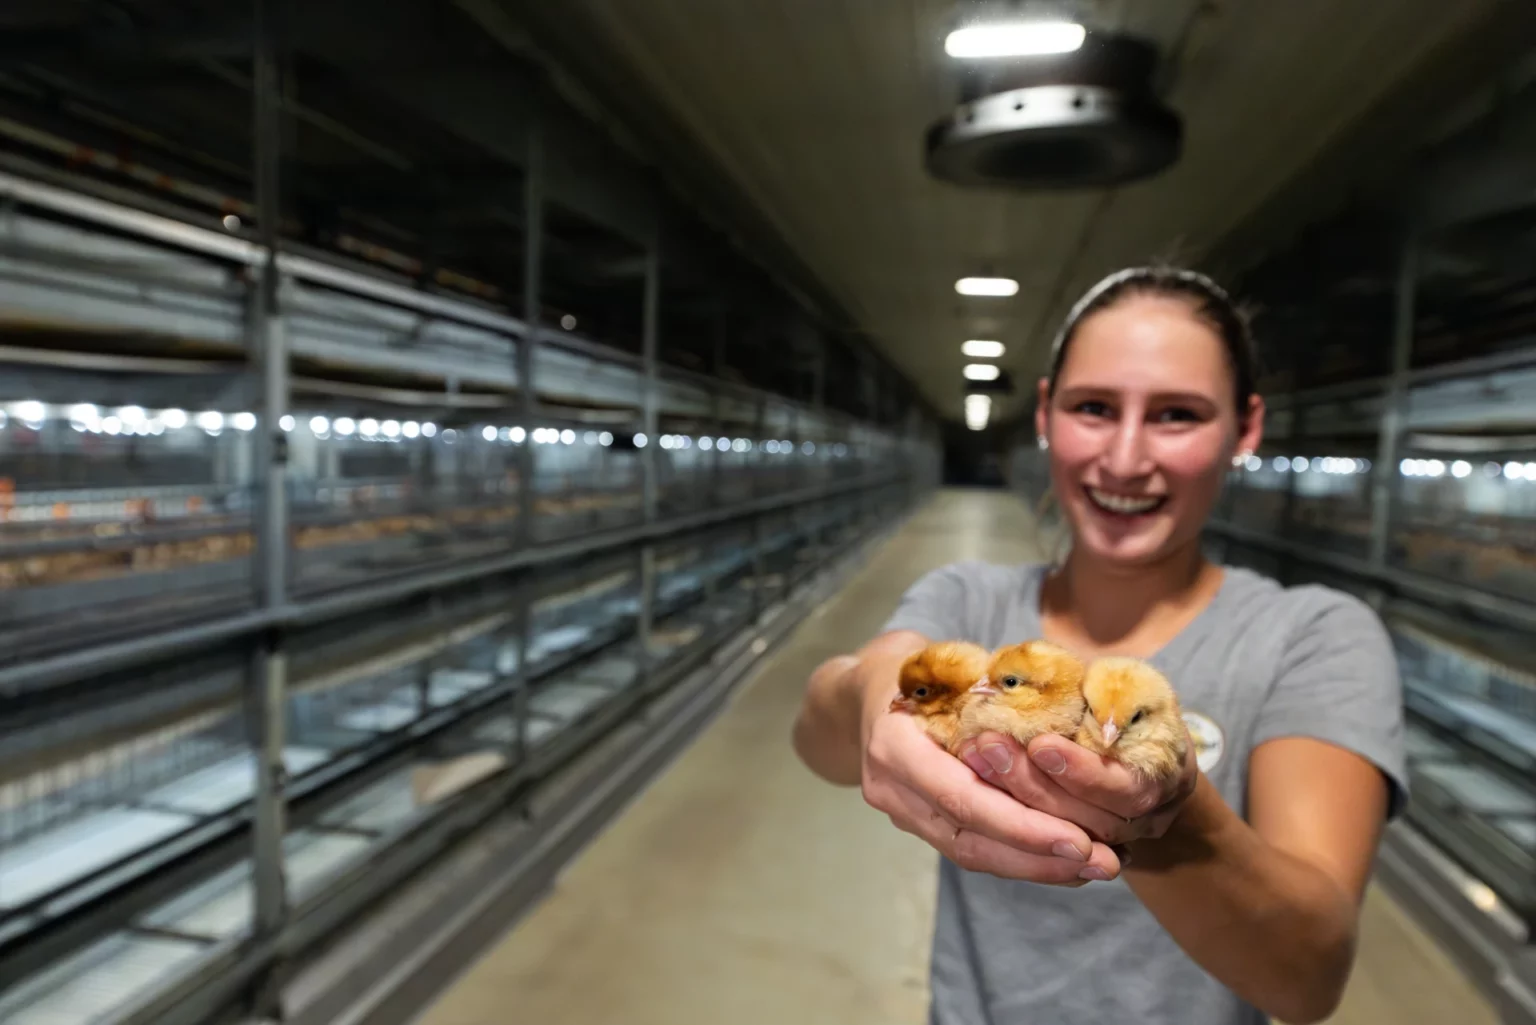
point(978, 764)
point(998, 756)
point(1050, 761)
point(1062, 849)
point(1095, 873)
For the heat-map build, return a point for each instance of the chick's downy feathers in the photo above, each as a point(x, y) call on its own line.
point(1030, 689)
point(1134, 717)
point(936, 682)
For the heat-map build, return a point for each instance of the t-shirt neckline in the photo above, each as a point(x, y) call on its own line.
point(1187, 635)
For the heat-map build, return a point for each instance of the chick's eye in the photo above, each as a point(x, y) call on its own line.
point(1141, 714)
point(921, 692)
point(1011, 681)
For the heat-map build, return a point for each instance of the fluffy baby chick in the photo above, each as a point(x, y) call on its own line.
point(1030, 689)
point(1133, 716)
point(935, 684)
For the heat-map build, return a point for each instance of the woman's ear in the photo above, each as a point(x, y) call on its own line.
point(1251, 431)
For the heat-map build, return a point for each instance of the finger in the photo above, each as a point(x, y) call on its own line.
point(1002, 762)
point(1156, 822)
point(977, 853)
point(945, 783)
point(1102, 782)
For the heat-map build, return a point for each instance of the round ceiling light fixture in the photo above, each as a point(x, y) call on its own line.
point(1083, 118)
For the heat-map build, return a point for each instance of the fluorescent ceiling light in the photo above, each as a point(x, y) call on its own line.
point(978, 349)
point(1015, 39)
point(987, 286)
point(977, 409)
point(980, 372)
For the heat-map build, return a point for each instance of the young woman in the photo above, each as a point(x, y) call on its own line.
point(1067, 892)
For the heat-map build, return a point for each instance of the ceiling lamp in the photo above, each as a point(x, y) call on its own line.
point(1053, 119)
point(1014, 39)
point(987, 286)
point(978, 349)
point(977, 409)
point(981, 372)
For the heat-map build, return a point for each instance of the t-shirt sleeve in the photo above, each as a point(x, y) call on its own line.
point(935, 606)
point(1338, 682)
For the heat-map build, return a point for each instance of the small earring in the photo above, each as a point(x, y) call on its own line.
point(1042, 443)
point(1240, 459)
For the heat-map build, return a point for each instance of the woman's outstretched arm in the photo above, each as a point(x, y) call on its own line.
point(827, 732)
point(1271, 906)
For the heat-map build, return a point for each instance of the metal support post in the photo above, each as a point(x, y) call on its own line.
point(648, 418)
point(759, 450)
point(428, 665)
point(759, 567)
point(521, 677)
point(1384, 479)
point(267, 681)
point(819, 374)
point(1288, 502)
point(527, 347)
point(649, 459)
point(647, 574)
point(717, 424)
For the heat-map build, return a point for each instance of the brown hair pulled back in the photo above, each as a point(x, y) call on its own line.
point(1210, 302)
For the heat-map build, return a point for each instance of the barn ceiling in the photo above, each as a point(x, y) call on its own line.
point(813, 112)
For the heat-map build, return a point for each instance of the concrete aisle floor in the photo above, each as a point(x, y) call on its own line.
point(739, 888)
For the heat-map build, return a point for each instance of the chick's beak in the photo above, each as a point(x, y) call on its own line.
point(1110, 731)
point(983, 686)
point(901, 703)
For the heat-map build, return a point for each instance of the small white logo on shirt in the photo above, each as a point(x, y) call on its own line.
point(1210, 742)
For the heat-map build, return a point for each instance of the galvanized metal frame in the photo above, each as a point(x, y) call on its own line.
point(268, 659)
point(394, 983)
point(219, 983)
point(71, 666)
point(256, 967)
point(298, 264)
point(1384, 481)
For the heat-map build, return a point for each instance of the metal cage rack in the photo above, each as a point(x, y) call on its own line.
point(304, 570)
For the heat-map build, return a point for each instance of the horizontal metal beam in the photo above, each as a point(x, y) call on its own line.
point(1370, 387)
point(319, 269)
point(66, 668)
point(1508, 611)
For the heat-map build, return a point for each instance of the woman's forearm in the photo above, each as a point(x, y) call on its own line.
point(839, 698)
point(1276, 930)
point(826, 733)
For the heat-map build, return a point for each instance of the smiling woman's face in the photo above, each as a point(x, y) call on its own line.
point(1142, 428)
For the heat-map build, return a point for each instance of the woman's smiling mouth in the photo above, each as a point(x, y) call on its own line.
point(1124, 505)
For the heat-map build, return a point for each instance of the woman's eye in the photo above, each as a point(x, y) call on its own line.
point(1092, 407)
point(1178, 414)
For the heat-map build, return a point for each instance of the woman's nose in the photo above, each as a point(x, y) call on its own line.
point(1127, 456)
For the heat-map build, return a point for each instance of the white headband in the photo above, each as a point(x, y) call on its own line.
point(1120, 277)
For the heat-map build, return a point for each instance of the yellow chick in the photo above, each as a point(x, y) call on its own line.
point(1133, 717)
point(936, 682)
point(1030, 689)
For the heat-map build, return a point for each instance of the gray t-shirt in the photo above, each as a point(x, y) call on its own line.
point(1260, 661)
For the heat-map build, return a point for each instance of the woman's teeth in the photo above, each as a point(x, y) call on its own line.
point(1123, 503)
